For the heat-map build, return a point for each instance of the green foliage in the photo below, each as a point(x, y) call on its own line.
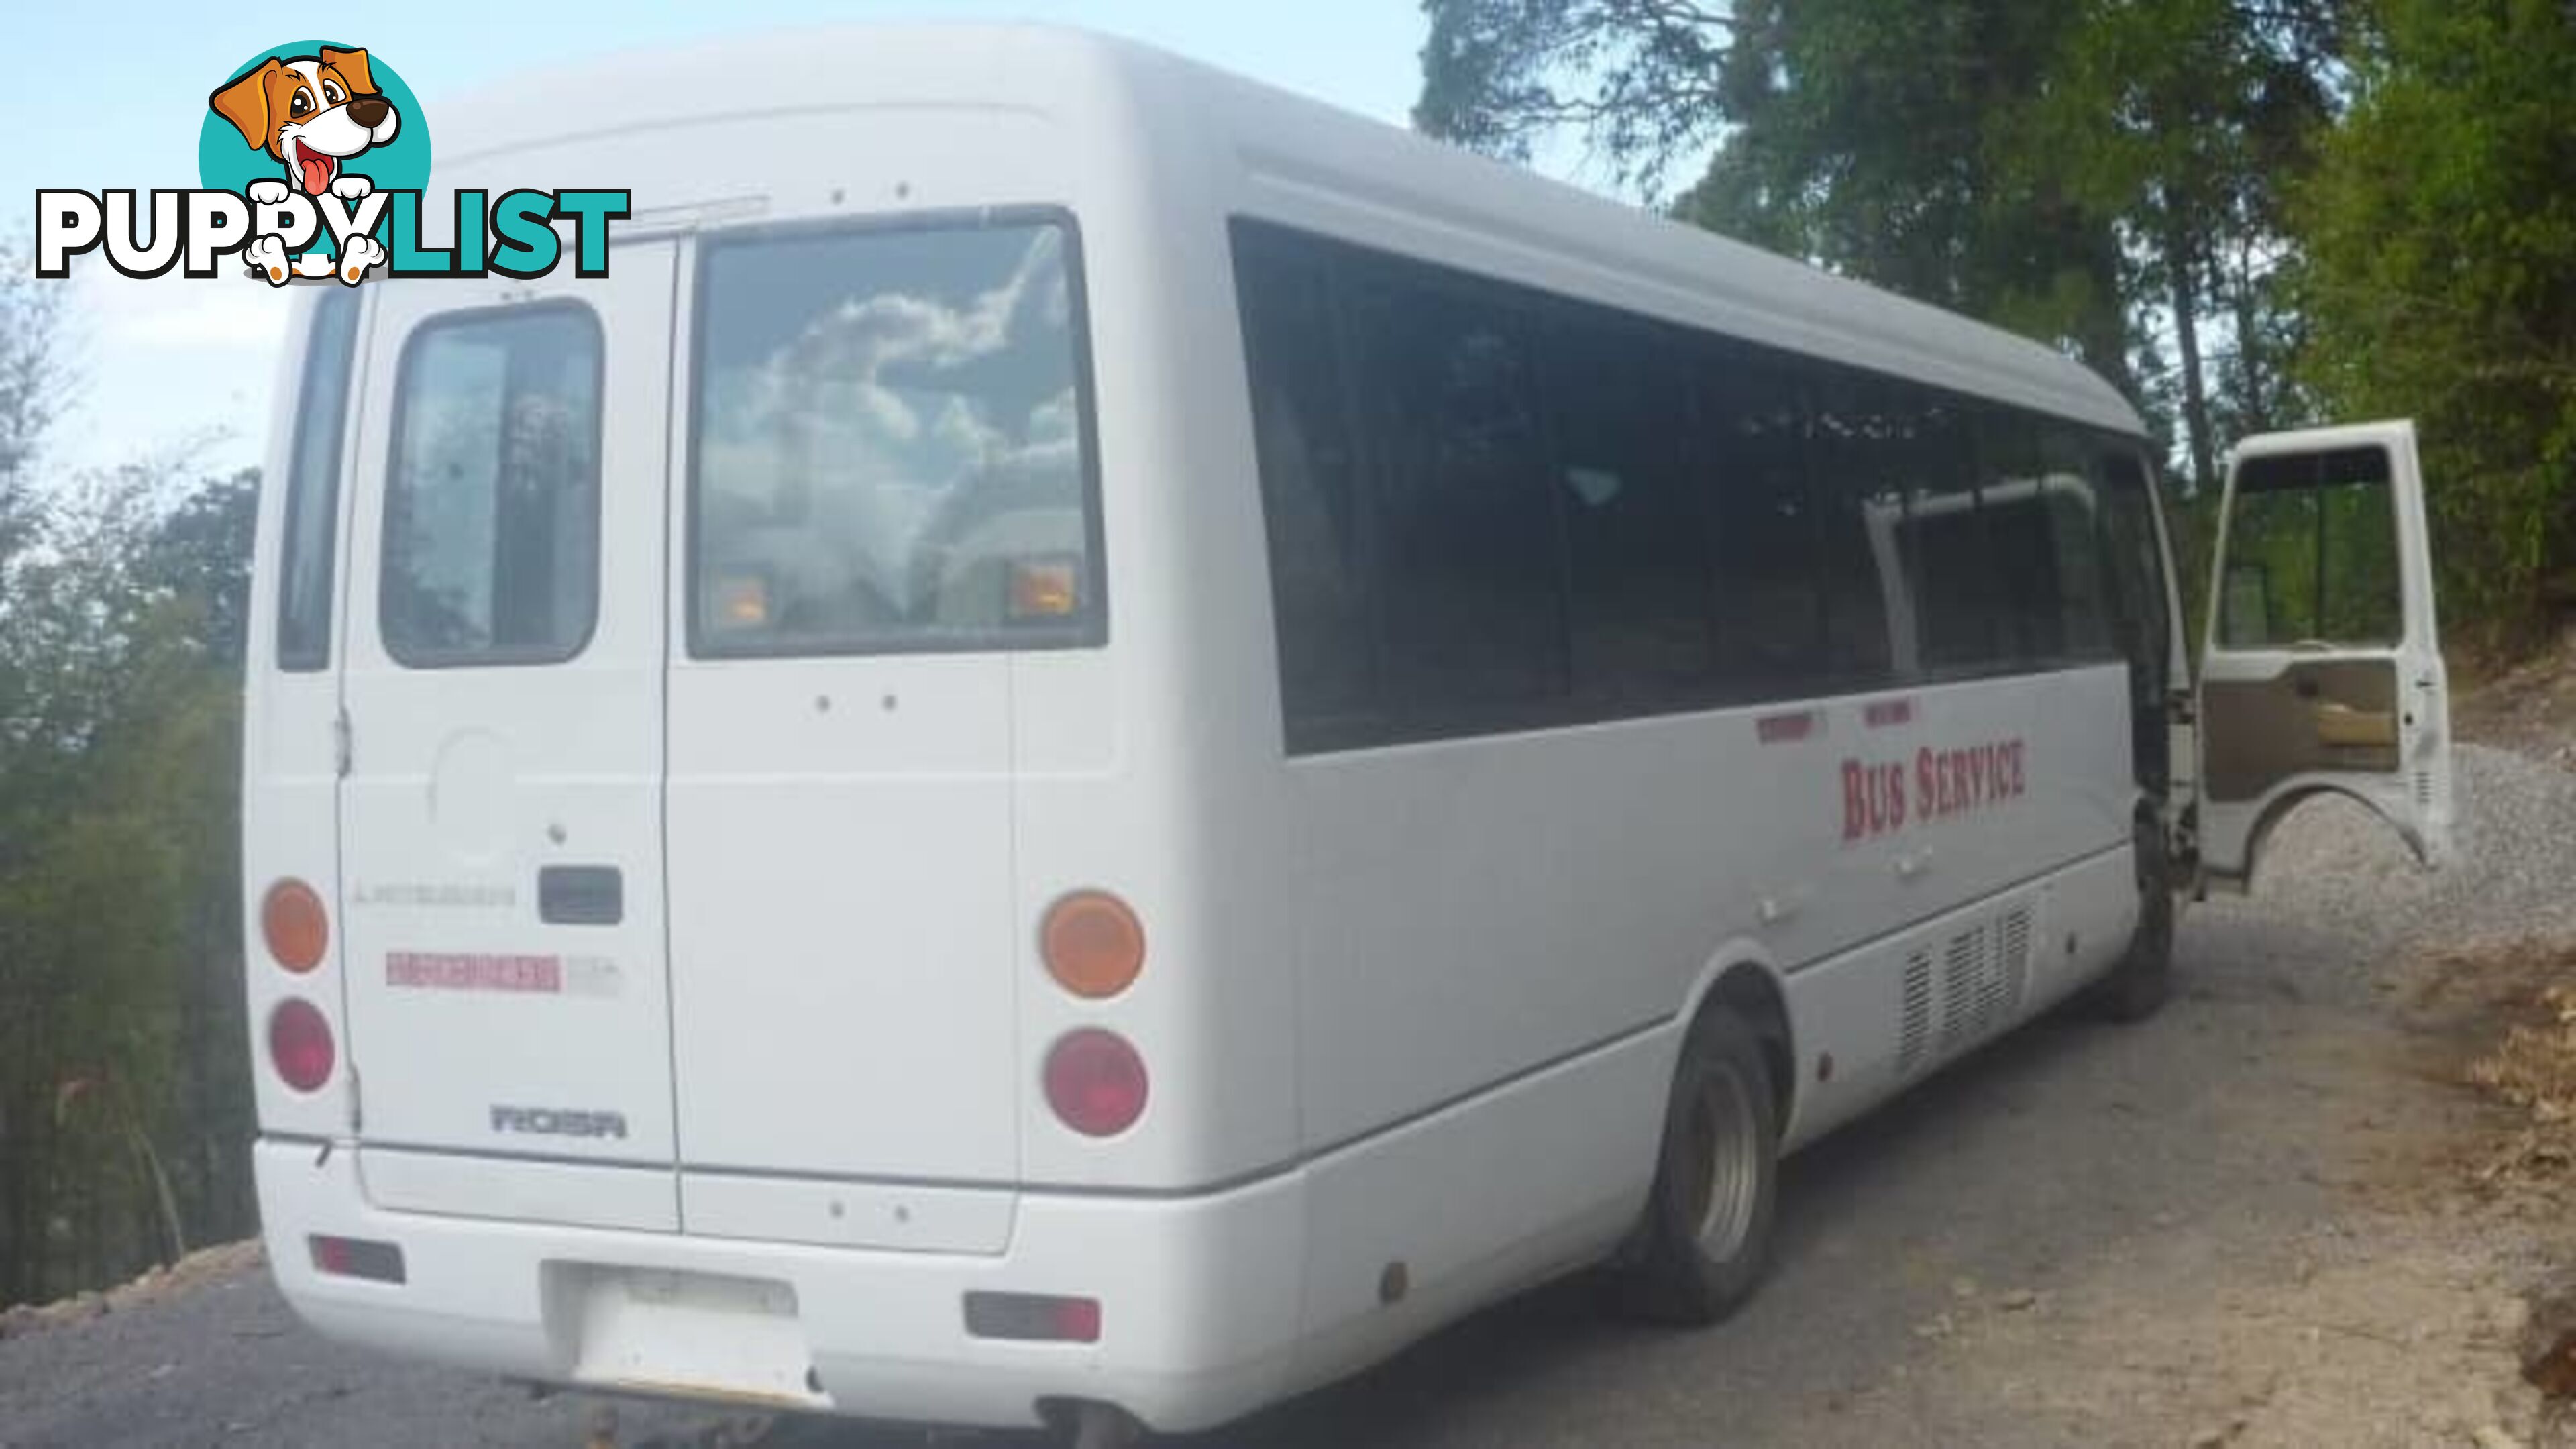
point(124, 1098)
point(2440, 281)
point(1638, 76)
point(2097, 174)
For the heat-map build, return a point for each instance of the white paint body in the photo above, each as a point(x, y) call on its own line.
point(1419, 1003)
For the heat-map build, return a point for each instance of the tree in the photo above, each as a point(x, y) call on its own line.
point(124, 1097)
point(1889, 140)
point(2440, 280)
point(2181, 120)
point(2098, 174)
point(33, 381)
point(1639, 77)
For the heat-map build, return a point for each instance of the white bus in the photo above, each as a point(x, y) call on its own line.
point(1095, 743)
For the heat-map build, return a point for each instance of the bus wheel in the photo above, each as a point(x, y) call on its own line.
point(2140, 985)
point(1707, 1234)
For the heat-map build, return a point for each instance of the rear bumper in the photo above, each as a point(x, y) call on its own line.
point(1199, 1299)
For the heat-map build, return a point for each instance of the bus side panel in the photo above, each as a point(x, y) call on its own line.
point(1482, 906)
point(290, 780)
point(1895, 1010)
point(1478, 1200)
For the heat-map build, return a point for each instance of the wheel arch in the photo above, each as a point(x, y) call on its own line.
point(2291, 797)
point(1743, 978)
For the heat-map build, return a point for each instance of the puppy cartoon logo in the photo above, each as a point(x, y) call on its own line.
point(313, 114)
point(312, 164)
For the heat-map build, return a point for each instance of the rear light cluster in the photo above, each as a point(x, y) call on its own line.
point(297, 932)
point(1094, 947)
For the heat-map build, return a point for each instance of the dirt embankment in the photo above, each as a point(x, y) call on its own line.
point(225, 1260)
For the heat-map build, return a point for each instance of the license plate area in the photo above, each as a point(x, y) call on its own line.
point(669, 1331)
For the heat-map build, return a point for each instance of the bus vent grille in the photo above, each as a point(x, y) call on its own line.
point(2016, 956)
point(2424, 789)
point(1971, 989)
point(1915, 1035)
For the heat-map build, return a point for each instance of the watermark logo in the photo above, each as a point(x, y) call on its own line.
point(312, 159)
point(293, 128)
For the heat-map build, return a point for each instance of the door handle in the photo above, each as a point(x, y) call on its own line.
point(581, 895)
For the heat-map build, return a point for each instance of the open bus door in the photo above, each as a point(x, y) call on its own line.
point(2322, 670)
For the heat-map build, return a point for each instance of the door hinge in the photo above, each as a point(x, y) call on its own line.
point(357, 1109)
point(340, 743)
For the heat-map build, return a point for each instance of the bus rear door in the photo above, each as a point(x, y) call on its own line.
point(501, 811)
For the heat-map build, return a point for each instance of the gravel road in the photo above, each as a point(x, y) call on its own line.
point(2214, 1228)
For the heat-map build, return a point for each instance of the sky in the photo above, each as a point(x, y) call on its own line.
point(171, 368)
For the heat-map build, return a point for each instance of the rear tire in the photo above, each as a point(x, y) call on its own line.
point(1706, 1239)
point(2140, 985)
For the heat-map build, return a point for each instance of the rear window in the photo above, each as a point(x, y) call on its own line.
point(891, 446)
point(492, 503)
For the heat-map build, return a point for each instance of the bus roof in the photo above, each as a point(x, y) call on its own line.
point(1295, 160)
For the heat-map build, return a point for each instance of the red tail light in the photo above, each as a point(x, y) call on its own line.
point(300, 1045)
point(1096, 1082)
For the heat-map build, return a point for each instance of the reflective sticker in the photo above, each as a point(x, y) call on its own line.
point(455, 971)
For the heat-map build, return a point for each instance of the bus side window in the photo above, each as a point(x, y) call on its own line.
point(305, 560)
point(1868, 610)
point(2051, 539)
point(1636, 544)
point(2137, 570)
point(1310, 505)
point(1470, 574)
point(2083, 548)
point(1770, 579)
point(1962, 614)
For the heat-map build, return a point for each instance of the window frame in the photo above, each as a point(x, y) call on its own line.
point(513, 656)
point(301, 484)
point(1090, 632)
point(2320, 465)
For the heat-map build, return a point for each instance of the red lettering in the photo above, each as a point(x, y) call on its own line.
point(1855, 805)
point(1927, 783)
point(1896, 797)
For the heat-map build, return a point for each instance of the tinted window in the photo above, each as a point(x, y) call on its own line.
point(1962, 619)
point(2046, 525)
point(492, 505)
point(1859, 487)
point(2077, 623)
point(891, 444)
point(1309, 486)
point(2138, 599)
point(2312, 552)
point(1769, 581)
point(1636, 538)
point(305, 557)
point(1490, 507)
point(1470, 580)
